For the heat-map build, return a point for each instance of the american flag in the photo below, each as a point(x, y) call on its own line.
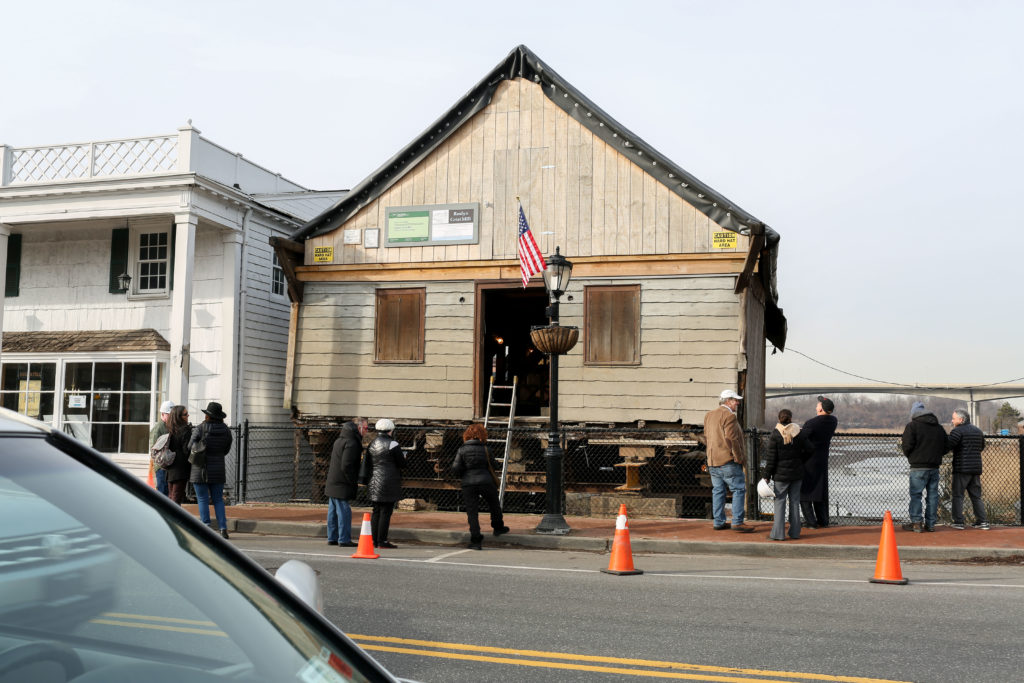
point(530, 259)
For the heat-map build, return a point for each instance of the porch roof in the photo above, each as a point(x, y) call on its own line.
point(66, 341)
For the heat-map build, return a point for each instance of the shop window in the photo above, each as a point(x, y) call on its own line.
point(398, 331)
point(109, 404)
point(611, 325)
point(29, 389)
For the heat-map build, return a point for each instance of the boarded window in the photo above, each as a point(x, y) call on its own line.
point(611, 325)
point(398, 334)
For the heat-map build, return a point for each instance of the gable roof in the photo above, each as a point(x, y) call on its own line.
point(523, 63)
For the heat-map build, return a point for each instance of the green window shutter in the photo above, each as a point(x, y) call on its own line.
point(12, 287)
point(118, 257)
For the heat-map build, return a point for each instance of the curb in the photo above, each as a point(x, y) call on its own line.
point(594, 544)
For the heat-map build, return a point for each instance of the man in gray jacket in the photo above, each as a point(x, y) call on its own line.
point(924, 444)
point(967, 442)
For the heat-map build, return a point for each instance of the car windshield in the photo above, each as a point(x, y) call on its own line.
point(87, 565)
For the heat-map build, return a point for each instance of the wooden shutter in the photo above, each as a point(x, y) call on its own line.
point(398, 334)
point(611, 325)
point(119, 245)
point(12, 286)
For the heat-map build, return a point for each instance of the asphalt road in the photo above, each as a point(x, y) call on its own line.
point(442, 614)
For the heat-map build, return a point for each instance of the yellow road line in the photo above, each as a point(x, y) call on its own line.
point(593, 658)
point(158, 627)
point(146, 617)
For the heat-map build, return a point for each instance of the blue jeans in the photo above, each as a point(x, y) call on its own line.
point(730, 474)
point(161, 480)
point(786, 491)
point(339, 514)
point(921, 480)
point(204, 492)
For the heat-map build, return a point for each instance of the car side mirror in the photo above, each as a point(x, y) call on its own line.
point(299, 578)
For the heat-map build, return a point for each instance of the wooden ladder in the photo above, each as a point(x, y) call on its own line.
point(508, 422)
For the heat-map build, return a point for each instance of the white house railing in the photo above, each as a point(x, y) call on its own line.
point(133, 156)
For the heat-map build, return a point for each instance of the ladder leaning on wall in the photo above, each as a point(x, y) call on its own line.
point(507, 422)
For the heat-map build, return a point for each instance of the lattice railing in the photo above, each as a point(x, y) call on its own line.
point(134, 156)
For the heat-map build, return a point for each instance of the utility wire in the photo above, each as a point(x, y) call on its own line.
point(880, 381)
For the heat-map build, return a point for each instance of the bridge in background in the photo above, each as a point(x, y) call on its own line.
point(971, 395)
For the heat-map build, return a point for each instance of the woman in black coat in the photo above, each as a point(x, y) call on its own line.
point(180, 469)
point(343, 483)
point(381, 471)
point(474, 465)
point(208, 479)
point(788, 447)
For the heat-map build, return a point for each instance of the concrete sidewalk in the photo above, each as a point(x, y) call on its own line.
point(682, 536)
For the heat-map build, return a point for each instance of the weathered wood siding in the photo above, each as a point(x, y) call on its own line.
point(754, 345)
point(689, 352)
point(592, 197)
point(334, 369)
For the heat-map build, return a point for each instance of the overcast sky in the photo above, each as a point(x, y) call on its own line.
point(882, 140)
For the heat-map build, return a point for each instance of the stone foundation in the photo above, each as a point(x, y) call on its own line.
point(607, 505)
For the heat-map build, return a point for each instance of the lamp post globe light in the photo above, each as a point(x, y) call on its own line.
point(554, 340)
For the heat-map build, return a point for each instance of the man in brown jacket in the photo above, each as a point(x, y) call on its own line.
point(726, 455)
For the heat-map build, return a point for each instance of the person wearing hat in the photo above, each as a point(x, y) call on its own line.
point(381, 472)
point(924, 444)
point(158, 430)
point(208, 478)
point(814, 491)
point(723, 438)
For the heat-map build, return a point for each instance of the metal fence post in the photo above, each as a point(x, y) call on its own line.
point(245, 457)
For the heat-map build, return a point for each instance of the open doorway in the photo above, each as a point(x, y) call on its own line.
point(504, 350)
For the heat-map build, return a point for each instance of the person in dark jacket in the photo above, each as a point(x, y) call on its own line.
point(473, 464)
point(208, 479)
point(788, 448)
point(814, 489)
point(343, 482)
point(381, 472)
point(967, 442)
point(179, 470)
point(924, 444)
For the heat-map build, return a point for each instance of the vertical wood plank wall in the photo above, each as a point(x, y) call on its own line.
point(595, 200)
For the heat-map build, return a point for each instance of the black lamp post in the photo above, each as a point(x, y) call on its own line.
point(554, 340)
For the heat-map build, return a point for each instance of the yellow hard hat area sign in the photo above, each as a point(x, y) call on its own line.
point(323, 254)
point(723, 240)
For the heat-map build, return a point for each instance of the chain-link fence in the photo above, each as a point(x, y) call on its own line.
point(868, 474)
point(663, 473)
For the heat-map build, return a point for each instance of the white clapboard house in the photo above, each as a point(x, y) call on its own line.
point(139, 270)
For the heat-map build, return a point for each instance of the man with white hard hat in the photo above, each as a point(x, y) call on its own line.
point(726, 455)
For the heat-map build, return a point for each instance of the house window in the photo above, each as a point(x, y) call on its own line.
point(398, 332)
point(29, 389)
point(277, 285)
point(611, 325)
point(152, 258)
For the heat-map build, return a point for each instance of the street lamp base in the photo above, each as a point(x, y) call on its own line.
point(553, 525)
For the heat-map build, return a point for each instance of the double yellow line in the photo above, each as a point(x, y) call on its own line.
point(576, 662)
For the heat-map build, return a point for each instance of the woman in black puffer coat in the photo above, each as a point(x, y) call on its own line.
point(179, 471)
point(474, 465)
point(381, 472)
point(788, 448)
point(208, 480)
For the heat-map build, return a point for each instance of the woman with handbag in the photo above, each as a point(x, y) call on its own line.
point(208, 448)
point(474, 465)
point(788, 448)
point(179, 470)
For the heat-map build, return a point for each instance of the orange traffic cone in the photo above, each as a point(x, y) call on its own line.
point(365, 549)
point(151, 478)
point(621, 561)
point(887, 568)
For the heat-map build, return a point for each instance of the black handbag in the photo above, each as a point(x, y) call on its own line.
point(197, 450)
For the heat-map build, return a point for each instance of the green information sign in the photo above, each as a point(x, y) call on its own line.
point(408, 226)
